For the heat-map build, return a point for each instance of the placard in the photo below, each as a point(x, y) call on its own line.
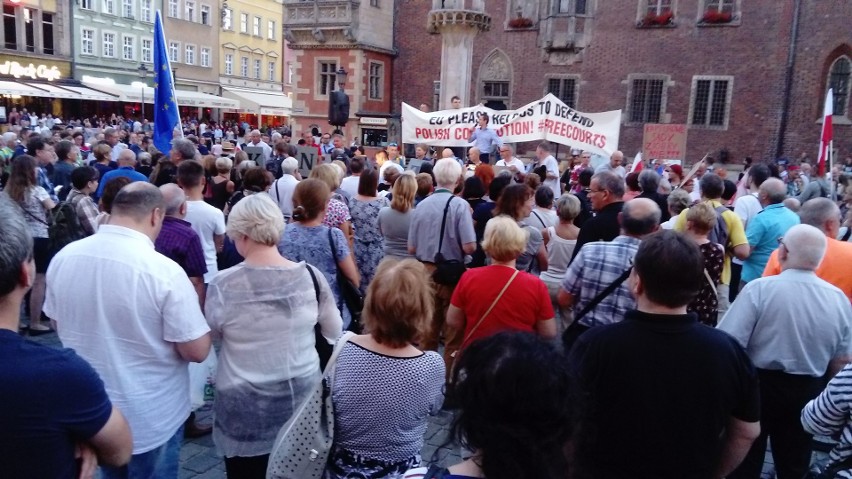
point(664, 141)
point(255, 154)
point(307, 156)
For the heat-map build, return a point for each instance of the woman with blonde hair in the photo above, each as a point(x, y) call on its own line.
point(384, 386)
point(264, 309)
point(700, 221)
point(103, 159)
point(395, 220)
point(499, 297)
point(560, 241)
point(307, 239)
point(337, 213)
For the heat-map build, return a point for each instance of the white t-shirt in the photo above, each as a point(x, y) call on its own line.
point(385, 166)
point(282, 193)
point(552, 168)
point(513, 162)
point(207, 221)
point(746, 207)
point(127, 309)
point(350, 185)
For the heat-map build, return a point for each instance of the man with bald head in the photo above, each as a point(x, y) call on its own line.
point(134, 316)
point(764, 230)
point(126, 168)
point(256, 141)
point(795, 327)
point(602, 264)
point(614, 165)
point(178, 241)
point(824, 215)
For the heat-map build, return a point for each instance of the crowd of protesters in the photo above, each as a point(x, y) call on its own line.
point(579, 321)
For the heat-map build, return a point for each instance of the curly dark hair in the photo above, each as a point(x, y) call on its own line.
point(513, 394)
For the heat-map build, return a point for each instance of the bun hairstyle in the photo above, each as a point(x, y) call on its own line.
point(310, 199)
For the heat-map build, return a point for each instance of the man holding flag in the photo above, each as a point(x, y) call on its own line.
point(166, 115)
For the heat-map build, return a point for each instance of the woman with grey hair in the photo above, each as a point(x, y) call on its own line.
point(265, 310)
point(676, 202)
point(560, 241)
point(649, 183)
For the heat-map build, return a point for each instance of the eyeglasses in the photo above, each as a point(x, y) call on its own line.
point(781, 243)
point(596, 191)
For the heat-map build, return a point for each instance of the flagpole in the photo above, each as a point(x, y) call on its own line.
point(831, 167)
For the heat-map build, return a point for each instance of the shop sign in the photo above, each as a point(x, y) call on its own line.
point(36, 72)
point(374, 121)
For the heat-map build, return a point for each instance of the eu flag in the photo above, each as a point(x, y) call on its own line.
point(166, 116)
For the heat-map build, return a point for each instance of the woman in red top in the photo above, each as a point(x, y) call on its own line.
point(499, 297)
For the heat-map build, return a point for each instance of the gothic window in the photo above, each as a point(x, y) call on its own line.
point(495, 80)
point(839, 77)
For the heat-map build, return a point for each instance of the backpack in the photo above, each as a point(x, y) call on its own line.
point(719, 234)
point(274, 166)
point(65, 226)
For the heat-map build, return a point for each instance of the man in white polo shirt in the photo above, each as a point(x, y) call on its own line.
point(133, 314)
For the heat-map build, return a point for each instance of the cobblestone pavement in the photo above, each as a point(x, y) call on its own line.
point(198, 458)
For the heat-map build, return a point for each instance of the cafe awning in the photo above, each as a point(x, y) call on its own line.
point(263, 102)
point(53, 90)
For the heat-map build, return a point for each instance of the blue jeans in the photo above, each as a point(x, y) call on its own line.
point(159, 463)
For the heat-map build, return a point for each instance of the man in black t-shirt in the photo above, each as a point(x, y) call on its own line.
point(663, 396)
point(54, 403)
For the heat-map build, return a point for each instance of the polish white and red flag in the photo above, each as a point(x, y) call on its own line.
point(826, 137)
point(637, 163)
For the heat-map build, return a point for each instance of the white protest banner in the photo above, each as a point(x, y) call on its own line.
point(546, 119)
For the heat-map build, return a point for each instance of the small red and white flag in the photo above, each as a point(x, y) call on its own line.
point(826, 137)
point(637, 163)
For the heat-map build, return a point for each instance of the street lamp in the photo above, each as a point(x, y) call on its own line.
point(341, 77)
point(143, 74)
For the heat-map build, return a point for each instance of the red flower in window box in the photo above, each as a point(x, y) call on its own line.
point(662, 19)
point(715, 16)
point(520, 22)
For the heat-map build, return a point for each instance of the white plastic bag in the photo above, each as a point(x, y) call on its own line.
point(202, 381)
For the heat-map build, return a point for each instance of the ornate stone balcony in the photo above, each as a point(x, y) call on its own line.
point(320, 22)
point(469, 13)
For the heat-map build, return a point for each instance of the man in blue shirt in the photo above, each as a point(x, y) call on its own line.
point(126, 168)
point(485, 139)
point(767, 226)
point(43, 152)
point(55, 405)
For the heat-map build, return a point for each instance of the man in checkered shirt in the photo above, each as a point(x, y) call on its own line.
point(601, 263)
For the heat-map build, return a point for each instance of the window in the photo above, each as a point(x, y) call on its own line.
point(86, 5)
point(127, 8)
point(108, 44)
point(47, 33)
point(205, 14)
point(10, 34)
point(257, 69)
point(288, 74)
point(255, 26)
point(576, 7)
point(495, 89)
point(270, 30)
point(173, 9)
point(229, 64)
point(646, 100)
point(205, 57)
point(565, 89)
point(271, 71)
point(29, 29)
point(244, 67)
point(109, 7)
point(189, 55)
point(146, 11)
point(128, 45)
point(87, 41)
point(189, 11)
point(327, 77)
point(227, 23)
point(374, 3)
point(838, 80)
point(659, 7)
point(244, 23)
point(376, 83)
point(710, 99)
point(721, 6)
point(147, 49)
point(174, 52)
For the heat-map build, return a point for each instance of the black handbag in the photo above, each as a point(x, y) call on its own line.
point(447, 272)
point(349, 293)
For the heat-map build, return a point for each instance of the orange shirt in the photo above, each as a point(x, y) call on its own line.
point(834, 268)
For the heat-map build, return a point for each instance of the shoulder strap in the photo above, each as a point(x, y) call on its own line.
point(712, 284)
point(314, 280)
point(847, 234)
point(603, 294)
point(330, 367)
point(333, 249)
point(539, 218)
point(277, 191)
point(488, 311)
point(444, 223)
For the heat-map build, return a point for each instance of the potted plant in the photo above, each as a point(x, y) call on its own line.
point(654, 20)
point(717, 17)
point(520, 22)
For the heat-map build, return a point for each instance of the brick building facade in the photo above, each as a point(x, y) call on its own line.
point(720, 66)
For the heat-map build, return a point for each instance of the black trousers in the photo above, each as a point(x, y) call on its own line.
point(485, 158)
point(782, 397)
point(246, 467)
point(734, 289)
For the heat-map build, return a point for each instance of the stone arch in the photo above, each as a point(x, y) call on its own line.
point(494, 86)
